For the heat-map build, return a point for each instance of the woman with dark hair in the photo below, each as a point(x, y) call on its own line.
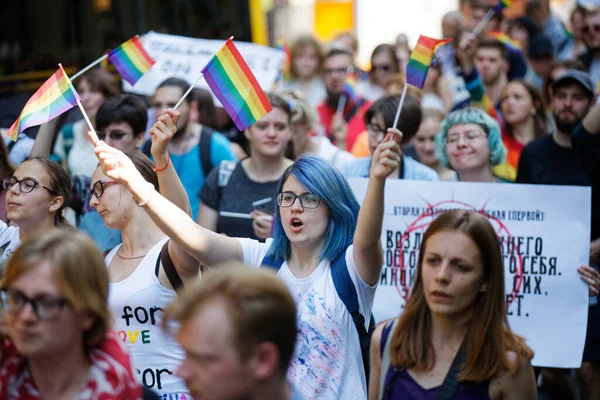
point(525, 119)
point(305, 70)
point(60, 346)
point(378, 118)
point(37, 194)
point(323, 244)
point(454, 322)
point(222, 209)
point(384, 64)
point(146, 268)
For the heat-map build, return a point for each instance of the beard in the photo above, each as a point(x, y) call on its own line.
point(566, 125)
point(333, 99)
point(180, 131)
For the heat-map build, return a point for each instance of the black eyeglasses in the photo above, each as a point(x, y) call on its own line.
point(384, 68)
point(375, 131)
point(114, 135)
point(331, 71)
point(591, 29)
point(26, 185)
point(45, 307)
point(98, 187)
point(307, 200)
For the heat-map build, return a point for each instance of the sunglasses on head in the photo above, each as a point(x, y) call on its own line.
point(114, 135)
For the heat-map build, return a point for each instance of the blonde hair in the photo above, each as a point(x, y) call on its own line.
point(302, 112)
point(79, 272)
point(260, 308)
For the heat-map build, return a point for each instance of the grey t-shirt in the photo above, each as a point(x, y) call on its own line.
point(237, 196)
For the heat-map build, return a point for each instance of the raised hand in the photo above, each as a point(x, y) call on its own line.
point(386, 157)
point(162, 133)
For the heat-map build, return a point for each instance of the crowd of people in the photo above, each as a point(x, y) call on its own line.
point(170, 256)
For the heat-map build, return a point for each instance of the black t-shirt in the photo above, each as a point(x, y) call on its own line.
point(546, 163)
point(237, 196)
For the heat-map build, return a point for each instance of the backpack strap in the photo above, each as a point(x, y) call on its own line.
point(204, 151)
point(11, 144)
point(347, 292)
point(386, 360)
point(146, 148)
point(226, 168)
point(169, 267)
point(270, 261)
point(450, 384)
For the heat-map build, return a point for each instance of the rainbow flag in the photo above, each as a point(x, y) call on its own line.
point(420, 60)
point(235, 86)
point(131, 60)
point(53, 98)
point(510, 44)
point(502, 5)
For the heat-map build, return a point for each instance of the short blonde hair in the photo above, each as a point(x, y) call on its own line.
point(79, 272)
point(261, 308)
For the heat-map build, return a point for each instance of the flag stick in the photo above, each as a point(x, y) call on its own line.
point(86, 69)
point(188, 91)
point(93, 136)
point(342, 104)
point(483, 22)
point(400, 106)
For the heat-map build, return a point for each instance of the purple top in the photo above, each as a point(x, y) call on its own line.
point(400, 385)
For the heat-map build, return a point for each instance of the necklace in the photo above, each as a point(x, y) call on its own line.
point(130, 258)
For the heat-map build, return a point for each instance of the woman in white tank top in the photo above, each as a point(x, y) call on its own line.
point(139, 287)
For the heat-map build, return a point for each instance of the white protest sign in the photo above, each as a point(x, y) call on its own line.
point(544, 236)
point(184, 57)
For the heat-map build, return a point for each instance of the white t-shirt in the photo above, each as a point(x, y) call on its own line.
point(81, 159)
point(333, 154)
point(327, 363)
point(9, 241)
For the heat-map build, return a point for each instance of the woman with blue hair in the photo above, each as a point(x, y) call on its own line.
point(326, 251)
point(470, 143)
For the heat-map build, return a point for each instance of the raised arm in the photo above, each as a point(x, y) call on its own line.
point(368, 254)
point(591, 122)
point(205, 246)
point(43, 140)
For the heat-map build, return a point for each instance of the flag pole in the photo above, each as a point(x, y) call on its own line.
point(400, 106)
point(342, 104)
point(483, 22)
point(92, 65)
point(93, 136)
point(188, 91)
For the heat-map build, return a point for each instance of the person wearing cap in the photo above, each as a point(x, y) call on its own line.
point(540, 59)
point(571, 156)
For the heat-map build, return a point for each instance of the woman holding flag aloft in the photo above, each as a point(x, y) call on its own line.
point(327, 252)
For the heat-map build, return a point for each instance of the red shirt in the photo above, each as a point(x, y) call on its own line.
point(353, 115)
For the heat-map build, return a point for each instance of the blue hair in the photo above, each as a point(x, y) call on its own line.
point(319, 177)
point(472, 116)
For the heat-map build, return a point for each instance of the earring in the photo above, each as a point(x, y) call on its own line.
point(532, 113)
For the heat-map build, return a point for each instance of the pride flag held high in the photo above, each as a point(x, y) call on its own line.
point(420, 60)
point(53, 98)
point(231, 80)
point(510, 44)
point(131, 60)
point(502, 5)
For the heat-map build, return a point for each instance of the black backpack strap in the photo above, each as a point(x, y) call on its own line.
point(204, 151)
point(11, 144)
point(347, 292)
point(272, 262)
point(450, 384)
point(169, 267)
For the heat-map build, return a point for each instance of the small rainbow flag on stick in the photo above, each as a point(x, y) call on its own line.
point(420, 60)
point(131, 60)
point(350, 85)
point(53, 98)
point(502, 5)
point(510, 44)
point(231, 80)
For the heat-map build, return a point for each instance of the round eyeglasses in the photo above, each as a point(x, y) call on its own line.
point(99, 186)
point(45, 307)
point(307, 200)
point(26, 185)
